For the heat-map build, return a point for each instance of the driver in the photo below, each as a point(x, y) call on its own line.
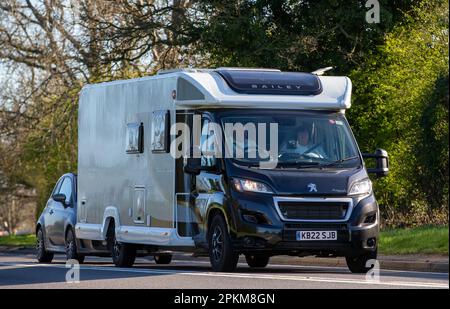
point(303, 145)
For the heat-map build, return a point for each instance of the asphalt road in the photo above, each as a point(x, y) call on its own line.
point(22, 271)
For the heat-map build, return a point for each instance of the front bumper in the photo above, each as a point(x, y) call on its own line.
point(276, 237)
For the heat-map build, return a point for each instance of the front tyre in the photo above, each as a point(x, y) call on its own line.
point(256, 260)
point(360, 264)
point(221, 254)
point(42, 255)
point(71, 248)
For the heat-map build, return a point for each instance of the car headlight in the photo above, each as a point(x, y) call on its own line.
point(242, 185)
point(361, 187)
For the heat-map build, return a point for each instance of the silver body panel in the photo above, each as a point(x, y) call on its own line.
point(109, 179)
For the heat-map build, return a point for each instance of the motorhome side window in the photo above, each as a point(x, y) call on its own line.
point(207, 144)
point(160, 131)
point(135, 138)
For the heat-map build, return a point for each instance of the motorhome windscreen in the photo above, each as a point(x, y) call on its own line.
point(308, 140)
point(271, 82)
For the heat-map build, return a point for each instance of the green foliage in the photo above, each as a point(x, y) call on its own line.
point(291, 35)
point(401, 104)
point(50, 149)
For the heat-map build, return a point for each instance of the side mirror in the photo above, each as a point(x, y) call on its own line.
point(382, 162)
point(193, 166)
point(60, 197)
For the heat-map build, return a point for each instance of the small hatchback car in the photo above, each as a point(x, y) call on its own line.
point(55, 229)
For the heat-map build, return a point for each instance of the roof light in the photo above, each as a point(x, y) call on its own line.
point(261, 81)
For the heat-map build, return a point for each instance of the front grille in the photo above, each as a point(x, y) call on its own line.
point(307, 210)
point(315, 225)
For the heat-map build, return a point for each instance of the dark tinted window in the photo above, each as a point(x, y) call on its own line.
point(272, 82)
point(319, 139)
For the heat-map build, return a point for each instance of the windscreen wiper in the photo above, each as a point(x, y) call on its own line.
point(339, 161)
point(299, 164)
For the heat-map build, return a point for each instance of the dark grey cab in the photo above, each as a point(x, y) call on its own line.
point(314, 202)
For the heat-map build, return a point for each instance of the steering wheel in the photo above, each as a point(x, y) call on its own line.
point(295, 156)
point(312, 148)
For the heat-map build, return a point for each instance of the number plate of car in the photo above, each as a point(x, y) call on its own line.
point(316, 235)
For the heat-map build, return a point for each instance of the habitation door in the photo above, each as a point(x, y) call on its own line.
point(185, 217)
point(195, 193)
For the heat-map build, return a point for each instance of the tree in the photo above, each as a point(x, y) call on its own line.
point(401, 104)
point(290, 35)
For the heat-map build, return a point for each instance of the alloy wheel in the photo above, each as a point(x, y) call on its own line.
point(217, 243)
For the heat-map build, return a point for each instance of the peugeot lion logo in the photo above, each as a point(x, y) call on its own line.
point(312, 187)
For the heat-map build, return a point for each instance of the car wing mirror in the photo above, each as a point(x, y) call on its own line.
point(192, 166)
point(60, 197)
point(381, 157)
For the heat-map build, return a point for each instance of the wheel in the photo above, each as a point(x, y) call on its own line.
point(257, 260)
point(123, 255)
point(42, 255)
point(221, 253)
point(71, 248)
point(358, 264)
point(163, 258)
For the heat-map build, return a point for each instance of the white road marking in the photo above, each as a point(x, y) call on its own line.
point(241, 276)
point(342, 269)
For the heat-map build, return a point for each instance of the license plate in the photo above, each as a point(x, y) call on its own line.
point(316, 235)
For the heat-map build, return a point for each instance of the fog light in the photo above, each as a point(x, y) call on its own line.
point(371, 242)
point(249, 241)
point(370, 219)
point(250, 218)
point(255, 217)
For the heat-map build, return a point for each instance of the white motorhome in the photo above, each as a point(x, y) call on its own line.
point(135, 196)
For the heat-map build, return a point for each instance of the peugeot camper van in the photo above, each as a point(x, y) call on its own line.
point(221, 163)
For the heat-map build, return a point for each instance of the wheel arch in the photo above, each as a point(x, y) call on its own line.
point(212, 212)
point(111, 214)
point(67, 228)
point(38, 226)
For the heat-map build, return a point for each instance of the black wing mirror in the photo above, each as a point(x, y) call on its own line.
point(381, 168)
point(193, 166)
point(60, 197)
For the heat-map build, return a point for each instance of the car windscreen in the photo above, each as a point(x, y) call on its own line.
point(301, 139)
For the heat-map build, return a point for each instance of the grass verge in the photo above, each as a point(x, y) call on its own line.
point(418, 240)
point(18, 240)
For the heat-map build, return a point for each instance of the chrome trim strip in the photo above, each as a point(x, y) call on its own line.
point(348, 200)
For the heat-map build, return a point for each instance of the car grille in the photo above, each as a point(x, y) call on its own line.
point(307, 210)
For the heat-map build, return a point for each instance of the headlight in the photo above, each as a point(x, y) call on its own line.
point(242, 185)
point(361, 187)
